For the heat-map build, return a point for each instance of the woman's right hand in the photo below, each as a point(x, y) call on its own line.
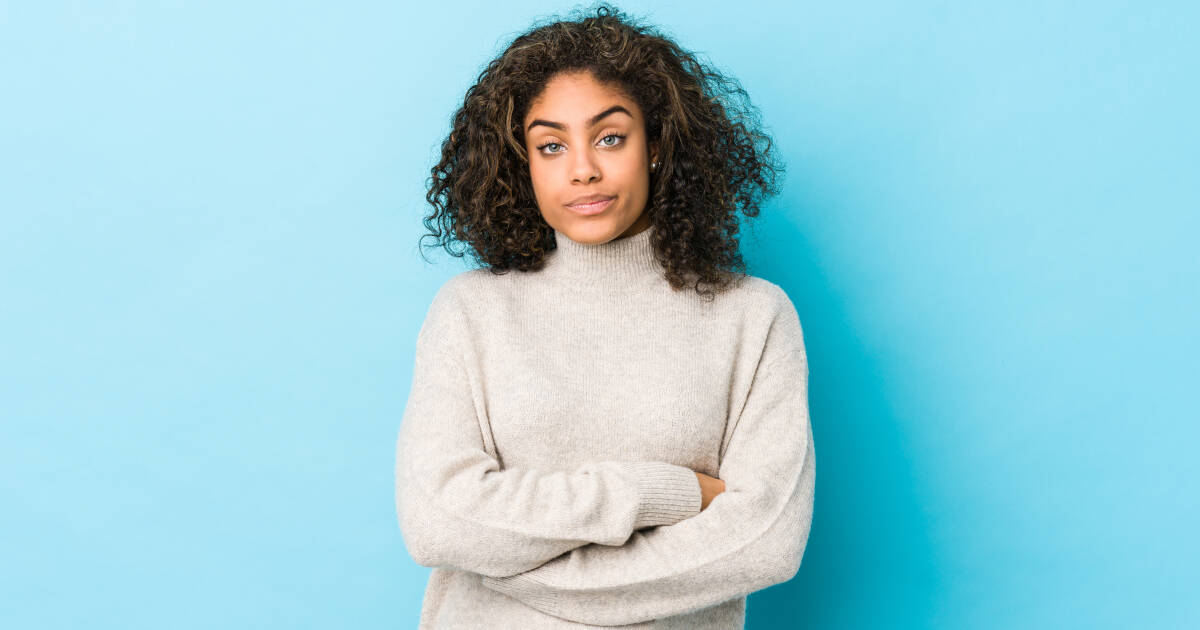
point(710, 487)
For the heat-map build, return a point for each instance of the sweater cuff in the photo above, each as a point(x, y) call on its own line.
point(526, 589)
point(667, 493)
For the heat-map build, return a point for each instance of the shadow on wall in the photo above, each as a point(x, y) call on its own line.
point(869, 561)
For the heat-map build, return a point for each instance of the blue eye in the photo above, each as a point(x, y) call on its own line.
point(619, 137)
point(612, 135)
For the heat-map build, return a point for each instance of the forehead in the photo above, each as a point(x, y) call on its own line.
point(576, 96)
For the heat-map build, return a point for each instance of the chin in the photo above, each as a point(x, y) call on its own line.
point(592, 231)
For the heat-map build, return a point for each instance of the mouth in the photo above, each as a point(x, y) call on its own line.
point(594, 207)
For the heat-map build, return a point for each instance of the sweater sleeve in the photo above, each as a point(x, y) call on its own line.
point(751, 536)
point(458, 508)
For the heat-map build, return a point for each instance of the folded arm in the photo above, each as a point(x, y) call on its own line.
point(750, 537)
point(458, 509)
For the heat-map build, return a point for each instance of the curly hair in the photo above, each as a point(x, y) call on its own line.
point(714, 159)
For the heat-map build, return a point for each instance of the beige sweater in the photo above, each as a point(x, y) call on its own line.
point(545, 457)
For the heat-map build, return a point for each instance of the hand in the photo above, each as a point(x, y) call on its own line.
point(710, 487)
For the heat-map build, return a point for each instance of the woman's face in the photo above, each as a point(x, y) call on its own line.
point(588, 140)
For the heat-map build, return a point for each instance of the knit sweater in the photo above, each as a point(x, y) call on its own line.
point(545, 457)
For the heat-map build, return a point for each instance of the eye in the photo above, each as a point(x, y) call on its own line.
point(612, 135)
point(618, 138)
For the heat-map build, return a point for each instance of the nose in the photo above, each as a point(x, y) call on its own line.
point(584, 167)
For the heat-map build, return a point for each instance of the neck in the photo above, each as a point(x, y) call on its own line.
point(624, 262)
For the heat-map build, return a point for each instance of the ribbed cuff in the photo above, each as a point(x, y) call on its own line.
point(525, 589)
point(667, 493)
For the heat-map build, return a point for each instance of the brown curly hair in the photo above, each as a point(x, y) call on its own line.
point(714, 160)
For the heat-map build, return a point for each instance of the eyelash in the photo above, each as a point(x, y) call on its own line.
point(611, 135)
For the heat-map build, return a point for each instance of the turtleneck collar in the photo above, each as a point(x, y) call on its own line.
point(621, 262)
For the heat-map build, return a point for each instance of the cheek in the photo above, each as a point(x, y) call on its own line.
point(632, 166)
point(634, 175)
point(537, 175)
point(545, 183)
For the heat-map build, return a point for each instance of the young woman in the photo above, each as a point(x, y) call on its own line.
point(608, 421)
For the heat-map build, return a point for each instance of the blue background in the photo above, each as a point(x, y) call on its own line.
point(210, 287)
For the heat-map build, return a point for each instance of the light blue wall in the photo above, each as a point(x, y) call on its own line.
point(210, 289)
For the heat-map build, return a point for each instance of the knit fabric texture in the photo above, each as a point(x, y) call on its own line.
point(545, 458)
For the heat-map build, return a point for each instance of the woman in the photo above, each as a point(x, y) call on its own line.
point(608, 421)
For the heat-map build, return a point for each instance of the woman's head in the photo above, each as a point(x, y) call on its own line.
point(586, 142)
point(505, 177)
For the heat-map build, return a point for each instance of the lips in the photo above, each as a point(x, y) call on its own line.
point(593, 207)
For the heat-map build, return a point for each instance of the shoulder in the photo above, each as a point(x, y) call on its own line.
point(462, 285)
point(447, 322)
point(446, 308)
point(474, 291)
point(763, 298)
point(772, 314)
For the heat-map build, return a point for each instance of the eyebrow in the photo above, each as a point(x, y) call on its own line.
point(591, 121)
